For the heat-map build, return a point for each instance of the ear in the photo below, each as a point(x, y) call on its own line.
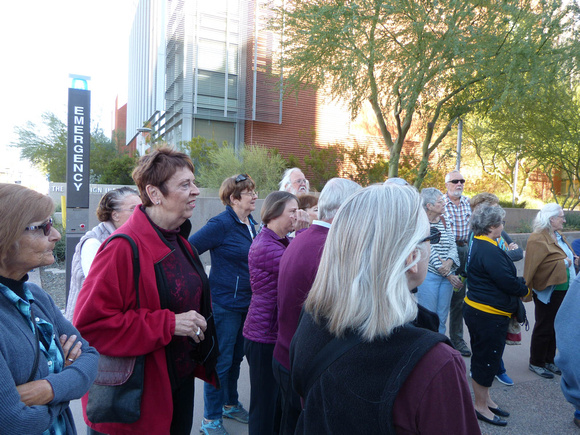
point(410, 259)
point(115, 216)
point(153, 193)
point(233, 200)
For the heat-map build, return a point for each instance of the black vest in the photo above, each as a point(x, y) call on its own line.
point(356, 392)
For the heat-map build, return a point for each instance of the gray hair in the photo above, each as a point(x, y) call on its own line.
point(335, 192)
point(485, 217)
point(547, 212)
point(430, 195)
point(286, 179)
point(448, 176)
point(362, 282)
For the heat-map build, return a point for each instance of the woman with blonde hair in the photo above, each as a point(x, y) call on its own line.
point(358, 363)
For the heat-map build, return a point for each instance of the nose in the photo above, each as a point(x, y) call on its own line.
point(194, 189)
point(54, 235)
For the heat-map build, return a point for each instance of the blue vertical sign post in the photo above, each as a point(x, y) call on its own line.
point(77, 167)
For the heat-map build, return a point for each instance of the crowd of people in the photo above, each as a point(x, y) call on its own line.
point(339, 301)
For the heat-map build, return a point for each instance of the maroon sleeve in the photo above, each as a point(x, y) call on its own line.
point(435, 398)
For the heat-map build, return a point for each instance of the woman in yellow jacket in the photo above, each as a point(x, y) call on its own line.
point(548, 270)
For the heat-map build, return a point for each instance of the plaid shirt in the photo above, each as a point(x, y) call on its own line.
point(458, 216)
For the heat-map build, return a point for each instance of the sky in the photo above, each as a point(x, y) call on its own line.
point(42, 42)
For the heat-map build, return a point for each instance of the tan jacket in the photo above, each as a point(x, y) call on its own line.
point(544, 263)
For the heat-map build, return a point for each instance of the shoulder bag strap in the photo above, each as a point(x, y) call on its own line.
point(136, 267)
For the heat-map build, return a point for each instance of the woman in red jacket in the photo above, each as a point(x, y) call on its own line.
point(173, 325)
point(261, 326)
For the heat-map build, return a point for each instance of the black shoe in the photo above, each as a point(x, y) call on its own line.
point(553, 368)
point(462, 348)
point(499, 411)
point(496, 420)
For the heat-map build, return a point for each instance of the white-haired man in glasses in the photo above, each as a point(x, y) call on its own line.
point(458, 211)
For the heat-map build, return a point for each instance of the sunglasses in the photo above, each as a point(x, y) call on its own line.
point(242, 177)
point(457, 181)
point(434, 236)
point(45, 227)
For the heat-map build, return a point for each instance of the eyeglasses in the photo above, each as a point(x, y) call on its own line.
point(434, 236)
point(242, 177)
point(457, 181)
point(254, 193)
point(300, 181)
point(45, 227)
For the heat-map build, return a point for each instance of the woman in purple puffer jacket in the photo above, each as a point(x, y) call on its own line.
point(261, 327)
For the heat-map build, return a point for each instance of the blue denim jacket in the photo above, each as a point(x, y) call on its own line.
point(228, 239)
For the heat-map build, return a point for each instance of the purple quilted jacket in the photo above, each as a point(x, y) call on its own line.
point(264, 262)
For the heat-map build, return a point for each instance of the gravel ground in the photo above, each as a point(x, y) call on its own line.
point(54, 282)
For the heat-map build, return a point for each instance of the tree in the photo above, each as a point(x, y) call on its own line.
point(48, 151)
point(264, 165)
point(501, 150)
point(45, 147)
point(547, 132)
point(119, 170)
point(423, 64)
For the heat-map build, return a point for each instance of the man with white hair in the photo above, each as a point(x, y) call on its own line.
point(298, 268)
point(295, 182)
point(459, 212)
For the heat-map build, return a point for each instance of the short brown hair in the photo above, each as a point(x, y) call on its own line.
point(230, 188)
point(274, 205)
point(20, 207)
point(307, 201)
point(111, 201)
point(156, 168)
point(481, 198)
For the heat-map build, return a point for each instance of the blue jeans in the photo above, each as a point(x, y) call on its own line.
point(229, 326)
point(435, 295)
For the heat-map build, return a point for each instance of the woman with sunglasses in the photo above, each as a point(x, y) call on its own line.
point(491, 300)
point(436, 291)
point(228, 237)
point(44, 361)
point(115, 207)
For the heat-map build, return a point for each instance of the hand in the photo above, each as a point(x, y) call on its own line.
point(577, 261)
point(527, 298)
point(445, 266)
point(302, 220)
point(70, 350)
point(36, 393)
point(513, 246)
point(455, 281)
point(190, 324)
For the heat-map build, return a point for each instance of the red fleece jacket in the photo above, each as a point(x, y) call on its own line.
point(107, 317)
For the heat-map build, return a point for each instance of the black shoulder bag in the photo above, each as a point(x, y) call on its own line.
point(115, 396)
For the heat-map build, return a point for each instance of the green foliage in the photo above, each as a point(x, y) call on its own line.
point(572, 221)
point(60, 246)
point(422, 65)
point(524, 227)
point(199, 149)
point(323, 163)
point(119, 170)
point(46, 151)
point(264, 165)
point(45, 146)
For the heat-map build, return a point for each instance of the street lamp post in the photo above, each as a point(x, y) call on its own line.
point(142, 145)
